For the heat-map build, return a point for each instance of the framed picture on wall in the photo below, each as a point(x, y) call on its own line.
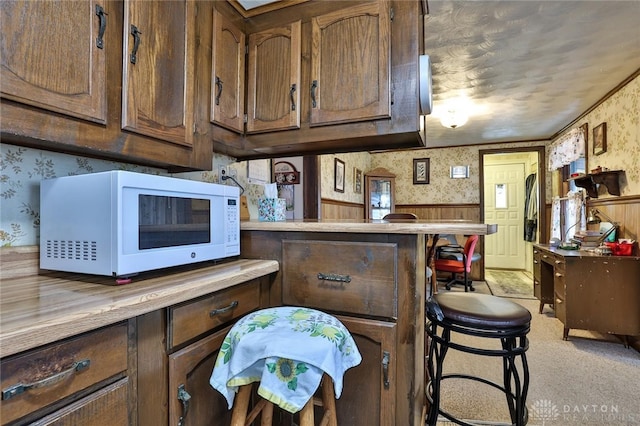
point(420, 171)
point(339, 176)
point(600, 139)
point(357, 180)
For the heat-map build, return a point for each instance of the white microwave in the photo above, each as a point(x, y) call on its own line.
point(120, 223)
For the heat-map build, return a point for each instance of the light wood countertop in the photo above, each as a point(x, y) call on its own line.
point(40, 309)
point(458, 227)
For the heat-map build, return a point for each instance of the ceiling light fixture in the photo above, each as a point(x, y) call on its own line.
point(453, 118)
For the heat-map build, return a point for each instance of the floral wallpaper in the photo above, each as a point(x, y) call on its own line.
point(352, 161)
point(21, 170)
point(441, 189)
point(621, 112)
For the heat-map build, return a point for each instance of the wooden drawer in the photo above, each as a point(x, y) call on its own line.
point(110, 402)
point(351, 277)
point(38, 378)
point(194, 318)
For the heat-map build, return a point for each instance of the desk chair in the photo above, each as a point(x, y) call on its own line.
point(463, 266)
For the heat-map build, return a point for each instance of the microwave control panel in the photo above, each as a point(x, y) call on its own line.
point(233, 221)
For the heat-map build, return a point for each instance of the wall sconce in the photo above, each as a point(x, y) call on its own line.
point(453, 118)
point(595, 216)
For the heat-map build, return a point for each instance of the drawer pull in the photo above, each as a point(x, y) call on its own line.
point(559, 301)
point(557, 262)
point(334, 277)
point(14, 390)
point(224, 310)
point(385, 368)
point(558, 274)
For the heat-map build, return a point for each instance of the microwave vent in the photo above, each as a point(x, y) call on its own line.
point(71, 250)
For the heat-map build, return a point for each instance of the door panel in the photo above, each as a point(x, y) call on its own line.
point(504, 205)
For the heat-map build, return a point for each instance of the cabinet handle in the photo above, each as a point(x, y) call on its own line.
point(314, 86)
point(545, 256)
point(557, 262)
point(219, 92)
point(535, 262)
point(103, 26)
point(558, 274)
point(334, 277)
point(76, 367)
point(135, 32)
point(559, 301)
point(385, 368)
point(184, 397)
point(224, 310)
point(291, 93)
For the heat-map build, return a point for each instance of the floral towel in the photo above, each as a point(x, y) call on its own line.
point(286, 349)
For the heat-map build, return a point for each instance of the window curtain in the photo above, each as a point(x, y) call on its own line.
point(566, 149)
point(573, 211)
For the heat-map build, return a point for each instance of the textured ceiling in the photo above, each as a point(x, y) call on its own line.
point(526, 68)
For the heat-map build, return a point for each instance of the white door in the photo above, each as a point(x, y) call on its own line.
point(504, 188)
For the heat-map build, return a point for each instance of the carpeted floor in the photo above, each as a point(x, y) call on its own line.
point(591, 379)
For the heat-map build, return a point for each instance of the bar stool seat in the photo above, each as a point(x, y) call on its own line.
point(287, 351)
point(484, 316)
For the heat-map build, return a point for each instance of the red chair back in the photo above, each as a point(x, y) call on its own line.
point(469, 247)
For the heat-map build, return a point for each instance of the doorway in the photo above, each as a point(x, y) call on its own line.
point(503, 194)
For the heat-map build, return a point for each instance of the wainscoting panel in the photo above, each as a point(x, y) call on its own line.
point(334, 209)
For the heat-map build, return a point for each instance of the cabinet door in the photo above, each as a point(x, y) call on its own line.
point(350, 64)
point(369, 391)
point(273, 100)
point(189, 373)
point(53, 56)
point(227, 99)
point(158, 62)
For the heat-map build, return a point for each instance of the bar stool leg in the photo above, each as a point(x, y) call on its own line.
point(240, 406)
point(438, 350)
point(330, 417)
point(306, 414)
point(267, 415)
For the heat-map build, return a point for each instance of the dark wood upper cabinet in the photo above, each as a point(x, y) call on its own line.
point(350, 65)
point(228, 84)
point(45, 66)
point(273, 95)
point(158, 62)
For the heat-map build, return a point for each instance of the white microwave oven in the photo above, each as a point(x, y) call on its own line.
point(120, 223)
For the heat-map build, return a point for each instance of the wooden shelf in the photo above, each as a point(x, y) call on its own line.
point(609, 179)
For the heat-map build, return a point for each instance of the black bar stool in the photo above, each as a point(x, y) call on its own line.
point(479, 315)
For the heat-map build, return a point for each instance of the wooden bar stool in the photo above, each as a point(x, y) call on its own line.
point(288, 353)
point(241, 416)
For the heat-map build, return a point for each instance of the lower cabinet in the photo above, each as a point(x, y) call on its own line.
point(192, 401)
point(177, 349)
point(80, 380)
point(374, 284)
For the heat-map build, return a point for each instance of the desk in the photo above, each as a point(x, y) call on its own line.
point(589, 291)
